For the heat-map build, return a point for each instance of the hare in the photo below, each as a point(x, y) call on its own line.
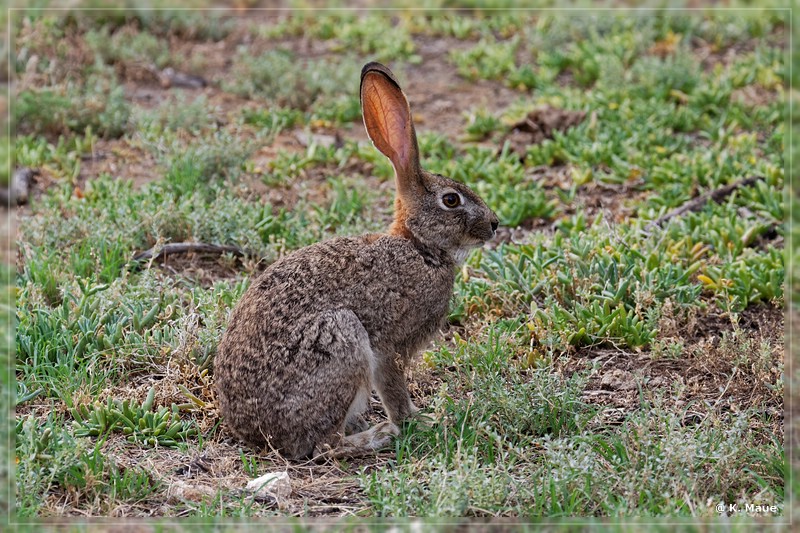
point(325, 325)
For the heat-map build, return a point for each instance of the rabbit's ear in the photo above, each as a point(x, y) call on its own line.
point(387, 118)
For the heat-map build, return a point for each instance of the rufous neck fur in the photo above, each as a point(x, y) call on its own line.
point(399, 227)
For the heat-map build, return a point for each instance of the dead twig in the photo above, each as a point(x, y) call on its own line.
point(169, 77)
point(697, 203)
point(161, 252)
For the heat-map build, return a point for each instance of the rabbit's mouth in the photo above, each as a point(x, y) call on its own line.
point(473, 243)
point(480, 235)
point(470, 243)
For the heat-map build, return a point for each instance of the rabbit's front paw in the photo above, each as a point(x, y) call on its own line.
point(366, 442)
point(379, 436)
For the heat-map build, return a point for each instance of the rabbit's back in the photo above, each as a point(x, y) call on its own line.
point(391, 287)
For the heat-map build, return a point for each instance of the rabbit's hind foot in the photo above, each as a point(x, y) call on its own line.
point(375, 438)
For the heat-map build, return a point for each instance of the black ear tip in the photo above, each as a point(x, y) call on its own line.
point(374, 66)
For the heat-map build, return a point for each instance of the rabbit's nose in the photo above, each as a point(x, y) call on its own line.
point(494, 225)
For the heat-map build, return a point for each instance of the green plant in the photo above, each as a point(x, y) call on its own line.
point(129, 48)
point(63, 158)
point(276, 76)
point(272, 121)
point(481, 124)
point(486, 60)
point(176, 113)
point(193, 168)
point(98, 104)
point(49, 459)
point(140, 423)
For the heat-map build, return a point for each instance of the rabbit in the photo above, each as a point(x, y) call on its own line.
point(323, 326)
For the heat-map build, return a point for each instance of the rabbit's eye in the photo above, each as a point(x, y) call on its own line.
point(451, 200)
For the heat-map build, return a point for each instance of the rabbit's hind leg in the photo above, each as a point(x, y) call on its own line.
point(319, 403)
point(355, 421)
point(354, 364)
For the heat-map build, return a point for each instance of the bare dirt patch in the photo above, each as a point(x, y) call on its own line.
point(201, 268)
point(119, 158)
point(440, 102)
point(711, 55)
point(615, 202)
point(538, 125)
point(754, 96)
point(718, 367)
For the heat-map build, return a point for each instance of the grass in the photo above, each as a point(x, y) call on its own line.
point(593, 366)
point(6, 358)
point(583, 474)
point(278, 77)
point(98, 104)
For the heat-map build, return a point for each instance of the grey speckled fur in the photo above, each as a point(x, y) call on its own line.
point(324, 326)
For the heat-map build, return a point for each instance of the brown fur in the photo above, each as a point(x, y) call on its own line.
point(398, 227)
point(322, 327)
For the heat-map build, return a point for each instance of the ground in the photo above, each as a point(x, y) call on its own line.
point(592, 365)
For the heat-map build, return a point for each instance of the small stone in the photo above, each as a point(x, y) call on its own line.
point(184, 491)
point(275, 484)
point(618, 379)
